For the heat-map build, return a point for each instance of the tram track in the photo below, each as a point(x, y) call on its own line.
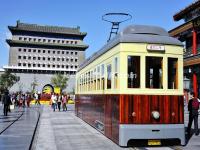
point(7, 127)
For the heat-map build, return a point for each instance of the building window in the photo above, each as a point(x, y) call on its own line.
point(30, 39)
point(133, 71)
point(76, 60)
point(49, 41)
point(49, 52)
point(19, 57)
point(49, 59)
point(67, 59)
point(54, 52)
point(76, 67)
point(29, 57)
point(71, 66)
point(75, 42)
point(58, 52)
point(24, 50)
point(34, 50)
point(38, 58)
point(172, 73)
point(116, 73)
point(71, 60)
point(102, 77)
point(24, 57)
point(38, 65)
point(63, 59)
point(58, 66)
point(19, 49)
point(25, 39)
point(63, 41)
point(20, 38)
point(58, 41)
point(154, 72)
point(24, 64)
point(43, 58)
point(54, 41)
point(109, 71)
point(67, 52)
point(34, 58)
point(67, 66)
point(54, 59)
point(71, 53)
point(29, 50)
point(71, 42)
point(29, 65)
point(44, 40)
point(49, 66)
point(43, 65)
point(34, 65)
point(53, 66)
point(58, 59)
point(76, 53)
point(39, 51)
point(43, 51)
point(63, 52)
point(63, 66)
point(67, 42)
point(34, 39)
point(39, 40)
point(19, 64)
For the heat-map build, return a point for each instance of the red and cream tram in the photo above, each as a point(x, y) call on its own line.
point(132, 88)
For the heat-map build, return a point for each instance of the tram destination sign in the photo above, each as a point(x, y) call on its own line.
point(155, 47)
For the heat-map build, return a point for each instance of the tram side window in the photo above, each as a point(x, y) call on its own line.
point(109, 76)
point(102, 77)
point(172, 73)
point(116, 74)
point(133, 71)
point(98, 78)
point(154, 72)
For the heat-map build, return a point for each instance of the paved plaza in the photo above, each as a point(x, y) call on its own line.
point(61, 131)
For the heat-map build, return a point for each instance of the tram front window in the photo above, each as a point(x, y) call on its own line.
point(154, 72)
point(133, 71)
point(172, 73)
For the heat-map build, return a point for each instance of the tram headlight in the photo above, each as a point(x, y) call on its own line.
point(155, 114)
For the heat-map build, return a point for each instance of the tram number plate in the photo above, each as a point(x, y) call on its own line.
point(154, 142)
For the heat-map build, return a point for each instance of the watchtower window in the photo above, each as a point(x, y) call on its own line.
point(172, 73)
point(154, 72)
point(133, 71)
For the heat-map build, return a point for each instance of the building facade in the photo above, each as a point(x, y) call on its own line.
point(38, 52)
point(189, 33)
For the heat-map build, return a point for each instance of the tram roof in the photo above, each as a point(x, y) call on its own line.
point(135, 34)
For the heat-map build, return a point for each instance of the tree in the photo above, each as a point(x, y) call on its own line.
point(7, 80)
point(34, 84)
point(60, 81)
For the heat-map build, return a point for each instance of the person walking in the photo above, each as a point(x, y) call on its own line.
point(64, 102)
point(193, 107)
point(59, 101)
point(6, 102)
point(53, 101)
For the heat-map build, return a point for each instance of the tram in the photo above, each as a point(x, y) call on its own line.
point(132, 88)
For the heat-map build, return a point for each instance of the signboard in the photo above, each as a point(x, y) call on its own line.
point(56, 90)
point(155, 47)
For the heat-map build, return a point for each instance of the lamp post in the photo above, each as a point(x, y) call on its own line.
point(186, 83)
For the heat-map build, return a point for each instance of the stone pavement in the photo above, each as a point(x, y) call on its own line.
point(65, 131)
point(19, 131)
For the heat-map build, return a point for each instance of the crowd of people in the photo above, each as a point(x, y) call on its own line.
point(58, 101)
point(19, 99)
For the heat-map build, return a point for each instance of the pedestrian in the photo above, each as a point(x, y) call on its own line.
point(28, 100)
point(6, 102)
point(59, 101)
point(37, 96)
point(53, 101)
point(193, 107)
point(64, 102)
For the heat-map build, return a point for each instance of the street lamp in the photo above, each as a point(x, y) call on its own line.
point(186, 83)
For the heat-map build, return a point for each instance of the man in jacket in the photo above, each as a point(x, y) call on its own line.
point(193, 107)
point(6, 102)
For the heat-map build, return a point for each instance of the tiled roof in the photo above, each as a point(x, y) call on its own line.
point(179, 15)
point(41, 44)
point(46, 29)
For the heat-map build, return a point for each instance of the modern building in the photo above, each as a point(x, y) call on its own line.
point(189, 33)
point(38, 52)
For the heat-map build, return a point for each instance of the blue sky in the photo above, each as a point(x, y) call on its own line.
point(86, 14)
